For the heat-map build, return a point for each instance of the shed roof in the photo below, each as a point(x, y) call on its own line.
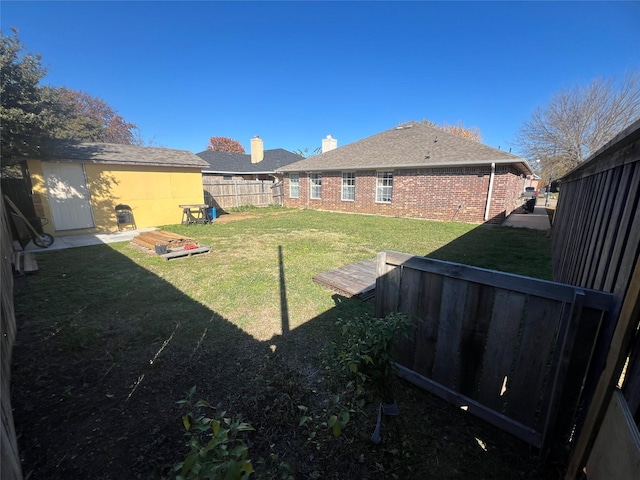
point(414, 145)
point(240, 163)
point(121, 155)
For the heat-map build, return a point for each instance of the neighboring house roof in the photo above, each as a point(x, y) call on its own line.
point(414, 145)
point(240, 163)
point(121, 155)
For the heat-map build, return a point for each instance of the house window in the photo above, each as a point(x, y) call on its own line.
point(348, 186)
point(316, 185)
point(294, 185)
point(384, 187)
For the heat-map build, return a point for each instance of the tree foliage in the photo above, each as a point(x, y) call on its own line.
point(577, 121)
point(82, 117)
point(32, 115)
point(470, 133)
point(224, 144)
point(22, 122)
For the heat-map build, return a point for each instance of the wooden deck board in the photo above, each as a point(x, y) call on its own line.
point(355, 280)
point(160, 237)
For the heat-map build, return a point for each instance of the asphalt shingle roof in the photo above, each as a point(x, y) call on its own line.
point(224, 162)
point(414, 145)
point(122, 155)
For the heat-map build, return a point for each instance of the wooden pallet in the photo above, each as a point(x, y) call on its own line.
point(181, 252)
point(24, 263)
point(159, 237)
point(355, 280)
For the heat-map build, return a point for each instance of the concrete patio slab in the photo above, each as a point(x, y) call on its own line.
point(73, 241)
point(537, 220)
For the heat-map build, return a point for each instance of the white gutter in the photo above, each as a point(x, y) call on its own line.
point(486, 210)
point(324, 168)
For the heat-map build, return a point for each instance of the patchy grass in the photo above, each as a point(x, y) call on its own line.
point(110, 337)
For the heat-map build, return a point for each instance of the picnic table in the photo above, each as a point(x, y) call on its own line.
point(194, 213)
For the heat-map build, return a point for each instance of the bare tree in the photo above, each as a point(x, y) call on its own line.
point(306, 154)
point(577, 121)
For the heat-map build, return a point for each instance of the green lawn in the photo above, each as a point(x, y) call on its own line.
point(111, 336)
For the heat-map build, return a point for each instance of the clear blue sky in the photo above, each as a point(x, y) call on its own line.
point(294, 72)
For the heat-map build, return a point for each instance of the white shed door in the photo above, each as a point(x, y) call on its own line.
point(68, 195)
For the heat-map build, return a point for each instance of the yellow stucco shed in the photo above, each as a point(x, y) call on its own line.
point(77, 186)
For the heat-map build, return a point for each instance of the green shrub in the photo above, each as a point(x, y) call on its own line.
point(217, 450)
point(366, 353)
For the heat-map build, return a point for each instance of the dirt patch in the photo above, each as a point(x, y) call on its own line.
point(233, 216)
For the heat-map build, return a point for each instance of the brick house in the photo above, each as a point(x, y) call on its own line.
point(413, 170)
point(260, 164)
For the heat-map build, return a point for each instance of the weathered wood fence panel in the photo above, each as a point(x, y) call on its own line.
point(599, 250)
point(237, 193)
point(513, 349)
point(9, 460)
point(596, 244)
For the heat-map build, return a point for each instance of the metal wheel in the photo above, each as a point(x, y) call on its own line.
point(44, 240)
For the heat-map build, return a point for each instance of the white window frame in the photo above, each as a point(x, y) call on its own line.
point(348, 186)
point(384, 186)
point(294, 185)
point(315, 186)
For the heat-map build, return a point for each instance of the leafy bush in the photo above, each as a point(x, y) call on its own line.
point(365, 354)
point(217, 450)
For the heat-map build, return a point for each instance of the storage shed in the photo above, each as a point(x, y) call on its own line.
point(76, 187)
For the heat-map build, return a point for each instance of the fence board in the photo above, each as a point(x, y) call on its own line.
point(409, 301)
point(610, 201)
point(540, 329)
point(478, 308)
point(499, 357)
point(572, 400)
point(449, 331)
point(596, 207)
point(623, 254)
point(428, 316)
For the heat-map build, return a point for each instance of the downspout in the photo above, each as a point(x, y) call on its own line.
point(486, 210)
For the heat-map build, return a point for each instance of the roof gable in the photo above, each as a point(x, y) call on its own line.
point(112, 153)
point(224, 162)
point(414, 145)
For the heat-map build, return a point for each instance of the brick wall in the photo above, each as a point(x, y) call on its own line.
point(458, 194)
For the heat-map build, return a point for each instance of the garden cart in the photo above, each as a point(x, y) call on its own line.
point(43, 240)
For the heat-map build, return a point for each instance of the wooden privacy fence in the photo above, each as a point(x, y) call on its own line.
point(9, 459)
point(513, 350)
point(237, 193)
point(596, 244)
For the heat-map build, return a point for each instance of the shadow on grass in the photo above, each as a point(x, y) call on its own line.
point(105, 348)
point(522, 251)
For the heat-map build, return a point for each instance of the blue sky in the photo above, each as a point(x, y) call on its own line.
point(294, 72)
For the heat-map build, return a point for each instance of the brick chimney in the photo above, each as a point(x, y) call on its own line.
point(329, 143)
point(257, 149)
